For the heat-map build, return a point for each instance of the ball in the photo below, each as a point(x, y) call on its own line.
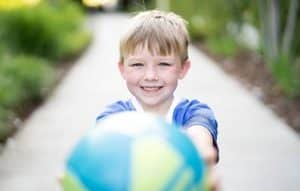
point(137, 152)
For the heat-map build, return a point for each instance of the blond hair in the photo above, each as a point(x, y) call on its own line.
point(162, 33)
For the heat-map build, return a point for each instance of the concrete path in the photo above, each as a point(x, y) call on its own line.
point(259, 152)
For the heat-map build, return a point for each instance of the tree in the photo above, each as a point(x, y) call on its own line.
point(278, 33)
point(271, 27)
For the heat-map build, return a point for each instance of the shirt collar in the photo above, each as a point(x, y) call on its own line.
point(168, 117)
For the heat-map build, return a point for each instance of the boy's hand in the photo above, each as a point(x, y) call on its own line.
point(204, 143)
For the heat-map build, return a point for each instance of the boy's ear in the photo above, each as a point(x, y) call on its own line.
point(184, 68)
point(121, 68)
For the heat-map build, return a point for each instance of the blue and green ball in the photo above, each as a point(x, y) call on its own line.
point(134, 152)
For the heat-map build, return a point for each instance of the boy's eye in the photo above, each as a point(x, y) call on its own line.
point(164, 64)
point(136, 65)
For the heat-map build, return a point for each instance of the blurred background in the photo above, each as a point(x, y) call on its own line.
point(256, 41)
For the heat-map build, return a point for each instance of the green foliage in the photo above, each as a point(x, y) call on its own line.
point(31, 40)
point(287, 75)
point(208, 20)
point(74, 43)
point(136, 5)
point(7, 126)
point(42, 30)
point(280, 44)
point(223, 45)
point(24, 78)
point(206, 17)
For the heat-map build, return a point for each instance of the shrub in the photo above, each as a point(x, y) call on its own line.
point(73, 43)
point(7, 126)
point(287, 75)
point(24, 79)
point(31, 39)
point(223, 45)
point(43, 30)
point(205, 19)
point(14, 4)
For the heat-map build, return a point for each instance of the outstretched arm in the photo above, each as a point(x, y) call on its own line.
point(204, 143)
point(203, 140)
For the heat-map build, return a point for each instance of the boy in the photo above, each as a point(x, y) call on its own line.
point(153, 57)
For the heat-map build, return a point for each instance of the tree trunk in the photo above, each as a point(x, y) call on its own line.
point(263, 17)
point(290, 27)
point(269, 26)
point(274, 26)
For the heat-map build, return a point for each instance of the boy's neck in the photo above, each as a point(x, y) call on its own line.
point(161, 110)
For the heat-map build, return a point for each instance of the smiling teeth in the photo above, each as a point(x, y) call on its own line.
point(151, 88)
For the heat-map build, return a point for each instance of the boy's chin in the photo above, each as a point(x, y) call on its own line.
point(149, 101)
point(152, 102)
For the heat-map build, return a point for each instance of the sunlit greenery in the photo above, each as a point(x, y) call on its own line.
point(279, 24)
point(24, 78)
point(15, 4)
point(45, 30)
point(34, 37)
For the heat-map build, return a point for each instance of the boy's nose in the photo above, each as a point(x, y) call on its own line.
point(151, 74)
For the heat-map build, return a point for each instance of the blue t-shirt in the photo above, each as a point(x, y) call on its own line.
point(184, 113)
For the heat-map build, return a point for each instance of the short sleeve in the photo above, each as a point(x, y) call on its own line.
point(191, 113)
point(119, 106)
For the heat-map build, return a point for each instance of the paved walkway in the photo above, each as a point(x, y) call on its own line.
point(258, 150)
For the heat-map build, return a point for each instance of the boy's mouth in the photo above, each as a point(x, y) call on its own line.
point(151, 88)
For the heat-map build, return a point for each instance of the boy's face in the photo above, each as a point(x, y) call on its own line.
point(152, 79)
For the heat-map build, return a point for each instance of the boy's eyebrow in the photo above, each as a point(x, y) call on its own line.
point(131, 58)
point(159, 58)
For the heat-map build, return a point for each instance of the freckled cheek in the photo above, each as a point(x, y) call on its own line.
point(170, 77)
point(133, 77)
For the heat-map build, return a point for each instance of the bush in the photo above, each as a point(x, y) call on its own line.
point(24, 79)
point(223, 45)
point(13, 4)
point(32, 38)
point(74, 43)
point(43, 30)
point(205, 19)
point(7, 126)
point(287, 75)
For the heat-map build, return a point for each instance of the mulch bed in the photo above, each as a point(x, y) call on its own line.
point(249, 68)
